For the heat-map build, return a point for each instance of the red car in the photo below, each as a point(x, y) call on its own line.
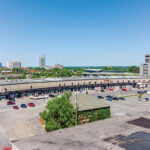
point(31, 104)
point(124, 89)
point(111, 89)
point(10, 103)
point(15, 107)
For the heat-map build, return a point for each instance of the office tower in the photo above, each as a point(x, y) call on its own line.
point(0, 65)
point(13, 64)
point(42, 61)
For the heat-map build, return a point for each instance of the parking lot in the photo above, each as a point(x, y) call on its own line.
point(114, 133)
point(23, 123)
point(129, 106)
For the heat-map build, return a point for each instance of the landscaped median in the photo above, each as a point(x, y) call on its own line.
point(67, 111)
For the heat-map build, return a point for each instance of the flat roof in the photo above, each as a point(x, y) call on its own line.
point(42, 80)
point(87, 102)
point(96, 70)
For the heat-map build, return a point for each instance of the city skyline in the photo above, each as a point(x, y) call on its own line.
point(75, 33)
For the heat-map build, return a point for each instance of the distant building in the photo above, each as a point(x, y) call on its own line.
point(6, 71)
point(145, 67)
point(100, 72)
point(58, 66)
point(25, 68)
point(47, 67)
point(42, 61)
point(1, 65)
point(13, 64)
point(35, 71)
point(93, 70)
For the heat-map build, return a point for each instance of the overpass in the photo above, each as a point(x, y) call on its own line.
point(48, 85)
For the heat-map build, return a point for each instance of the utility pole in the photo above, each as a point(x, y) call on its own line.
point(76, 109)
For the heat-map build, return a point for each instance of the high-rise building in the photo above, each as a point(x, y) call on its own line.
point(42, 61)
point(145, 67)
point(1, 65)
point(13, 64)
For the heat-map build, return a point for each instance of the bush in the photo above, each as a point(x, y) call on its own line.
point(94, 115)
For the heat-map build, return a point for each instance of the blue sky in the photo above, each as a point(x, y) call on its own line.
point(75, 32)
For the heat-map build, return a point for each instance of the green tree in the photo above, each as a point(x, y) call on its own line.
point(134, 69)
point(17, 70)
point(59, 113)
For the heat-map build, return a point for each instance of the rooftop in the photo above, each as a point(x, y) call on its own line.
point(94, 70)
point(23, 81)
point(99, 135)
point(87, 102)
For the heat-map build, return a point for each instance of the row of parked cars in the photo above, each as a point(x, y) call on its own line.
point(110, 98)
point(22, 105)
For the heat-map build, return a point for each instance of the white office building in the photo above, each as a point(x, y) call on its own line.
point(145, 67)
point(13, 64)
point(42, 61)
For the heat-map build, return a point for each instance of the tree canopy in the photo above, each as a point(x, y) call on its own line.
point(59, 113)
point(134, 69)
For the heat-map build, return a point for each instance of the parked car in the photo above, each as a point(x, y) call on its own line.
point(124, 89)
point(31, 104)
point(23, 105)
point(102, 90)
point(2, 97)
point(141, 92)
point(109, 96)
point(111, 89)
point(15, 107)
point(100, 97)
point(115, 98)
point(10, 103)
point(121, 98)
point(51, 95)
point(109, 99)
point(147, 99)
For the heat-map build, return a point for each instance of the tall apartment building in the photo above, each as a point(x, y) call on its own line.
point(42, 61)
point(13, 64)
point(1, 65)
point(145, 67)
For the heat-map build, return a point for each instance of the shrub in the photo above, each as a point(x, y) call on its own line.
point(94, 115)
